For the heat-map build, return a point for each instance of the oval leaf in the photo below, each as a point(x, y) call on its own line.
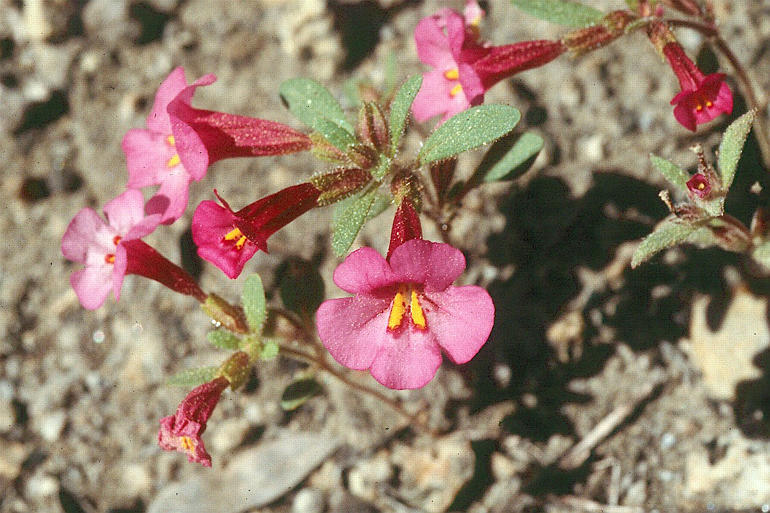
point(254, 304)
point(673, 173)
point(349, 217)
point(731, 147)
point(223, 339)
point(297, 393)
point(315, 106)
point(668, 233)
point(562, 12)
point(192, 377)
point(468, 130)
point(510, 157)
point(399, 110)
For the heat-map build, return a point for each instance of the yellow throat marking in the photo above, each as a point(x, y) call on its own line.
point(238, 236)
point(452, 74)
point(398, 310)
point(188, 444)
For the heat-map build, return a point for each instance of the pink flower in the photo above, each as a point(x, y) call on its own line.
point(182, 431)
point(703, 97)
point(229, 239)
point(111, 251)
point(699, 185)
point(89, 240)
point(180, 142)
point(465, 68)
point(403, 313)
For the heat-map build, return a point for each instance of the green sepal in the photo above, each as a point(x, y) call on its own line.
point(668, 233)
point(298, 393)
point(223, 339)
point(468, 130)
point(399, 110)
point(731, 147)
point(561, 12)
point(192, 377)
point(254, 303)
point(677, 176)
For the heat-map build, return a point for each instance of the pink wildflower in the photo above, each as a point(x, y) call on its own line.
point(112, 250)
point(403, 313)
point(182, 431)
point(699, 185)
point(229, 239)
point(464, 67)
point(703, 97)
point(180, 142)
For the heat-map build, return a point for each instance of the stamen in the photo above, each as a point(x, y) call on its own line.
point(188, 444)
point(173, 161)
point(238, 236)
point(455, 90)
point(116, 240)
point(698, 107)
point(452, 74)
point(701, 186)
point(170, 140)
point(709, 103)
point(397, 311)
point(418, 317)
point(109, 258)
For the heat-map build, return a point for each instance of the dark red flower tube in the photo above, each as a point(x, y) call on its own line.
point(505, 61)
point(144, 260)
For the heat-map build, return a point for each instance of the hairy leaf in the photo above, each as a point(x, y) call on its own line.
point(561, 12)
point(399, 110)
point(731, 147)
point(254, 303)
point(192, 377)
point(510, 157)
point(349, 216)
point(668, 233)
point(673, 173)
point(223, 339)
point(315, 106)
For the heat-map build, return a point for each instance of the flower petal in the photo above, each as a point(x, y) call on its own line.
point(170, 200)
point(435, 97)
point(363, 271)
point(125, 211)
point(175, 83)
point(210, 224)
point(432, 42)
point(353, 329)
point(86, 233)
point(433, 264)
point(461, 318)
point(92, 284)
point(147, 157)
point(407, 361)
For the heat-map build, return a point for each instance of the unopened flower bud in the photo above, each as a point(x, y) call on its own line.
point(441, 174)
point(235, 369)
point(607, 30)
point(339, 184)
point(372, 128)
point(227, 315)
point(363, 156)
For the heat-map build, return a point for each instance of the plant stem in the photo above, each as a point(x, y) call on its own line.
point(745, 82)
point(323, 364)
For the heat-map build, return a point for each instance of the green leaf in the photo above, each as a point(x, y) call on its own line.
point(254, 303)
point(223, 339)
point(731, 147)
point(349, 216)
point(510, 157)
point(192, 377)
point(381, 203)
point(297, 393)
point(315, 106)
point(673, 173)
point(337, 136)
point(562, 12)
point(668, 233)
point(468, 130)
point(269, 350)
point(399, 110)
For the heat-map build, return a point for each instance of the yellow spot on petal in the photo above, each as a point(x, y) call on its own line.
point(455, 90)
point(188, 444)
point(418, 317)
point(709, 103)
point(698, 107)
point(238, 236)
point(452, 74)
point(397, 311)
point(170, 140)
point(173, 161)
point(701, 186)
point(110, 259)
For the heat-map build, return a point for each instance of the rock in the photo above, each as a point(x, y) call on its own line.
point(366, 477)
point(308, 500)
point(51, 425)
point(725, 357)
point(41, 485)
point(251, 479)
point(7, 416)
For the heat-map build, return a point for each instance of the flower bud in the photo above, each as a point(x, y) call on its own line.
point(363, 156)
point(591, 38)
point(229, 316)
point(235, 369)
point(324, 150)
point(372, 128)
point(339, 184)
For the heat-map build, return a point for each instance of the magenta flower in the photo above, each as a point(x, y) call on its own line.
point(699, 185)
point(229, 239)
point(112, 250)
point(703, 97)
point(404, 313)
point(89, 240)
point(465, 68)
point(182, 431)
point(180, 142)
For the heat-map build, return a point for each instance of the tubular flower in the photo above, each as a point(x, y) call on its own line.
point(229, 239)
point(180, 142)
point(111, 251)
point(699, 185)
point(464, 67)
point(703, 97)
point(404, 312)
point(182, 431)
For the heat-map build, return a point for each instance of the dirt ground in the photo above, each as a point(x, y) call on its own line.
point(601, 389)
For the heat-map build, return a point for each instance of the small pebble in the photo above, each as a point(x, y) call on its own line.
point(52, 424)
point(41, 485)
point(308, 500)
